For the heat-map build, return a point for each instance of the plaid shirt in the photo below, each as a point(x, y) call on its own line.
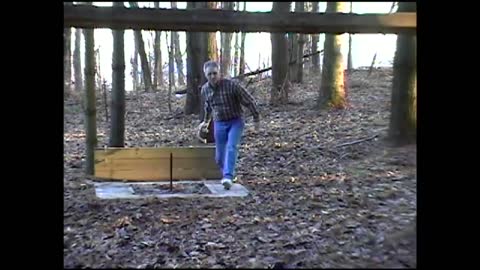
point(224, 101)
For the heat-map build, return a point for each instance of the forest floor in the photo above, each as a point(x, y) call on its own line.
point(313, 203)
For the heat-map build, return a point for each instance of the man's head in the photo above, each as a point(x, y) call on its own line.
point(212, 71)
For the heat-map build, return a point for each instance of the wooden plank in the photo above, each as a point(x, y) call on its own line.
point(187, 152)
point(139, 152)
point(154, 152)
point(134, 169)
point(195, 163)
point(153, 164)
point(132, 175)
point(196, 174)
point(208, 20)
point(195, 168)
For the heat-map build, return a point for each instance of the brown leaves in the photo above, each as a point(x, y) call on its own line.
point(122, 222)
point(167, 220)
point(311, 205)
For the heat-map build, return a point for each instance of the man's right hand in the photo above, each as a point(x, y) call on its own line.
point(204, 126)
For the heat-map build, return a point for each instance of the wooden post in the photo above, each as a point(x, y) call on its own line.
point(171, 171)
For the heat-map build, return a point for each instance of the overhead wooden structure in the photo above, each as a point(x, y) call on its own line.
point(208, 20)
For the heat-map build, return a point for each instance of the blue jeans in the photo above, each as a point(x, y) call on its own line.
point(227, 141)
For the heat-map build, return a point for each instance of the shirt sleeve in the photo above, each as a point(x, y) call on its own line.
point(247, 100)
point(206, 106)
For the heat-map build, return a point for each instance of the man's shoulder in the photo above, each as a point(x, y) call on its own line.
point(230, 82)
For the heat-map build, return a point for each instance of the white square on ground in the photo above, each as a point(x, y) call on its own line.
point(123, 190)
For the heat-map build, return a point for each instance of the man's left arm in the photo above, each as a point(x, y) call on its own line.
point(247, 100)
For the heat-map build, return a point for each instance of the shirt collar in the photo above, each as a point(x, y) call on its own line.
point(216, 86)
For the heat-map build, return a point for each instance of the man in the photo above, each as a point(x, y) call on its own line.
point(223, 99)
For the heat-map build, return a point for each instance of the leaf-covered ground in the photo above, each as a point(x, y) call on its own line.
point(326, 189)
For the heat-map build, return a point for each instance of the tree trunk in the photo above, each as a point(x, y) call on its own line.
point(134, 62)
point(147, 77)
point(77, 62)
point(300, 7)
point(143, 61)
point(171, 63)
point(241, 68)
point(241, 65)
point(178, 53)
point(323, 49)
point(236, 55)
point(332, 89)
point(315, 40)
point(158, 72)
point(370, 69)
point(171, 74)
point(197, 54)
point(212, 47)
point(236, 47)
point(98, 71)
point(90, 106)
point(178, 58)
point(349, 60)
point(117, 131)
point(67, 59)
point(207, 41)
point(192, 102)
point(212, 38)
point(226, 47)
point(157, 54)
point(292, 53)
point(280, 59)
point(403, 119)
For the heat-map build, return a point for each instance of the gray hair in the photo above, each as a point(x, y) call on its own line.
point(210, 63)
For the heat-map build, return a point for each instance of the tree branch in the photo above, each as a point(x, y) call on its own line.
point(184, 91)
point(358, 141)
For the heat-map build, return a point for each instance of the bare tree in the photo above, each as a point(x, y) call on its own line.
point(403, 120)
point(178, 53)
point(178, 58)
point(147, 77)
point(67, 59)
point(236, 47)
point(98, 74)
point(171, 74)
point(280, 82)
point(171, 62)
point(241, 69)
point(212, 38)
point(315, 40)
point(299, 7)
point(117, 131)
point(157, 54)
point(226, 62)
point(349, 61)
point(90, 106)
point(332, 89)
point(197, 54)
point(292, 53)
point(77, 62)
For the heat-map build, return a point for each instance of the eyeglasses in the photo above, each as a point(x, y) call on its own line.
point(212, 73)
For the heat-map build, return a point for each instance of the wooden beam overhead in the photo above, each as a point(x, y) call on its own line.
point(208, 20)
